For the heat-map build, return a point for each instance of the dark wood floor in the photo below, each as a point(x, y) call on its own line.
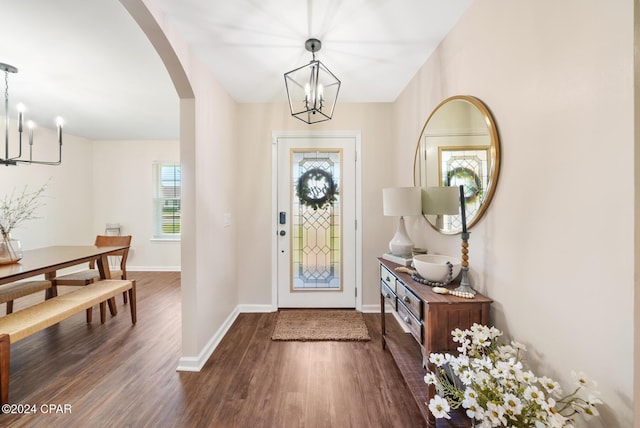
point(119, 375)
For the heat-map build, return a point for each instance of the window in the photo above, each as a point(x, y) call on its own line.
point(166, 200)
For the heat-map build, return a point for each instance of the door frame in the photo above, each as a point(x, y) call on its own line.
point(275, 135)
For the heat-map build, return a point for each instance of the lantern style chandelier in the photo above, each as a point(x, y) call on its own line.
point(14, 157)
point(312, 89)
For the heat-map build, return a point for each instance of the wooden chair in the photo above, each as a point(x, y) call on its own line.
point(118, 269)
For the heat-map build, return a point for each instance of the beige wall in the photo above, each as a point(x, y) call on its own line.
point(122, 177)
point(555, 249)
point(253, 174)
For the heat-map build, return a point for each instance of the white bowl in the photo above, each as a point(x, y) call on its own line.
point(433, 267)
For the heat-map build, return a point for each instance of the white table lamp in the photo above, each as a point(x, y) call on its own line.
point(400, 202)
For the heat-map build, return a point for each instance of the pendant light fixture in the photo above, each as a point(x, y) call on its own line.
point(14, 157)
point(312, 89)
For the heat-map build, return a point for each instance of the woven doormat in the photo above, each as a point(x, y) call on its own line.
point(317, 325)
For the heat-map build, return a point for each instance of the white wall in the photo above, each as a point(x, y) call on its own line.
point(65, 219)
point(122, 177)
point(555, 249)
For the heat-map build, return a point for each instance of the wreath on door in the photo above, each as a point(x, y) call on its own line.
point(316, 189)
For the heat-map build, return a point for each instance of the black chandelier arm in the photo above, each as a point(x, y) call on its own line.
point(7, 160)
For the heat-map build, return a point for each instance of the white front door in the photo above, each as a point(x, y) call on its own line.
point(316, 222)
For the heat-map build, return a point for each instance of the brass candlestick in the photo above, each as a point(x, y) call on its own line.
point(464, 280)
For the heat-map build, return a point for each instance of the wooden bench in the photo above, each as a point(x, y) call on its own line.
point(25, 322)
point(14, 290)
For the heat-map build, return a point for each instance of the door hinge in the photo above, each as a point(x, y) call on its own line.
point(356, 224)
point(356, 291)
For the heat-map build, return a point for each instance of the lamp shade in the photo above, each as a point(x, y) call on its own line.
point(440, 200)
point(401, 201)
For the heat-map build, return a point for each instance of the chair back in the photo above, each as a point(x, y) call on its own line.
point(117, 259)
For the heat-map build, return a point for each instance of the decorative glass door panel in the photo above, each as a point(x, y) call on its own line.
point(316, 232)
point(315, 222)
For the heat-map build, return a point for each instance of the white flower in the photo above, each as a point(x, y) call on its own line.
point(512, 404)
point(470, 394)
point(439, 407)
point(430, 379)
point(465, 344)
point(495, 414)
point(506, 351)
point(458, 335)
point(474, 411)
point(582, 381)
point(437, 359)
point(527, 377)
point(466, 377)
point(483, 363)
point(590, 407)
point(518, 346)
point(550, 385)
point(532, 393)
point(495, 389)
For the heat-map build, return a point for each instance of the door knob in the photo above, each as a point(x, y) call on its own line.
point(282, 233)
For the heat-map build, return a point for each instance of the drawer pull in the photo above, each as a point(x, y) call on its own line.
point(407, 320)
point(406, 299)
point(388, 296)
point(388, 279)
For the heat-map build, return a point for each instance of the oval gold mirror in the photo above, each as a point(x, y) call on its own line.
point(459, 145)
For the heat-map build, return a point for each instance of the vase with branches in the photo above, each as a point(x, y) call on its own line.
point(16, 208)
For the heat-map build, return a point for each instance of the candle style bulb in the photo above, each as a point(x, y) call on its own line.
point(60, 124)
point(31, 125)
point(21, 109)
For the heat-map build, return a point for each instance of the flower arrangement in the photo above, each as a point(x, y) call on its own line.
point(15, 209)
point(489, 381)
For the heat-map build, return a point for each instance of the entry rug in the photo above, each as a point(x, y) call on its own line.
point(320, 325)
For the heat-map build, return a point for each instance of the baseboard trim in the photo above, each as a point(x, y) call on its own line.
point(154, 268)
point(195, 364)
point(256, 308)
point(371, 309)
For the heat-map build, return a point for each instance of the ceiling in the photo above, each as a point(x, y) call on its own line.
point(89, 62)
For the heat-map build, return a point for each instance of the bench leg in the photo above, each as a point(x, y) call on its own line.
point(112, 306)
point(5, 358)
point(103, 312)
point(132, 302)
point(124, 297)
point(89, 315)
point(9, 307)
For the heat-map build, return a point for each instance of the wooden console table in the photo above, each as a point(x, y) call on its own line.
point(430, 318)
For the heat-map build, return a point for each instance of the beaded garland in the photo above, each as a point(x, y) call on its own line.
point(416, 277)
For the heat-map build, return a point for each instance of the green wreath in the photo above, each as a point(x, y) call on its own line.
point(316, 189)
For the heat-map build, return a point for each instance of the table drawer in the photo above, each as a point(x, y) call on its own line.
point(388, 278)
point(389, 295)
point(411, 322)
point(410, 300)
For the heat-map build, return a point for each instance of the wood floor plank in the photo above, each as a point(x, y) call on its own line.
point(119, 375)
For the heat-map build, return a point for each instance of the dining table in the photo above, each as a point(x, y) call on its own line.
point(48, 260)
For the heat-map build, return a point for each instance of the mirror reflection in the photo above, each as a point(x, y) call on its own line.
point(459, 145)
